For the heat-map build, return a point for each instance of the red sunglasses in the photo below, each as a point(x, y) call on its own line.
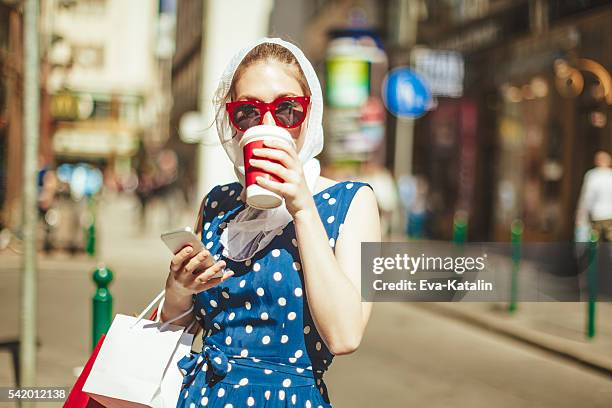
point(288, 112)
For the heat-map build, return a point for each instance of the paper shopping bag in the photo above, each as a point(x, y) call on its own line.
point(133, 360)
point(77, 398)
point(170, 388)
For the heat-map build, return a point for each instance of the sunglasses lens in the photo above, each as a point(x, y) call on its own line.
point(289, 113)
point(246, 116)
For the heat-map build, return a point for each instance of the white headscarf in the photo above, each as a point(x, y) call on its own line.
point(253, 229)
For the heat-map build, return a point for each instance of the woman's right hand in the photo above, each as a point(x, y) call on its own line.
point(191, 272)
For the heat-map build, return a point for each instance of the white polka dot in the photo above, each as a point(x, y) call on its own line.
point(218, 360)
point(231, 316)
point(291, 315)
point(298, 353)
point(250, 401)
point(267, 394)
point(244, 353)
point(332, 201)
point(248, 328)
point(231, 193)
point(330, 219)
point(247, 262)
point(292, 359)
point(294, 242)
point(286, 382)
point(209, 245)
point(200, 359)
point(225, 294)
point(307, 404)
point(306, 329)
point(206, 226)
point(224, 188)
point(349, 186)
point(267, 371)
point(228, 340)
point(256, 266)
point(228, 406)
point(298, 292)
point(293, 399)
point(325, 196)
point(255, 359)
point(277, 276)
point(281, 395)
point(242, 283)
point(284, 338)
point(221, 392)
point(264, 316)
point(332, 242)
point(318, 345)
point(205, 367)
point(214, 204)
point(260, 291)
point(221, 214)
point(225, 252)
point(297, 266)
point(217, 326)
point(247, 305)
point(205, 399)
point(186, 394)
point(299, 370)
point(208, 234)
point(192, 405)
point(280, 232)
point(243, 381)
point(203, 312)
point(265, 339)
point(276, 253)
point(282, 301)
point(213, 302)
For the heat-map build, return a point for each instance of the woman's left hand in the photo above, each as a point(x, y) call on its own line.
point(294, 189)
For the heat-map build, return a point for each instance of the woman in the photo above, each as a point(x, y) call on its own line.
point(289, 299)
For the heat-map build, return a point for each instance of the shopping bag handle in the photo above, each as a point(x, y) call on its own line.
point(160, 298)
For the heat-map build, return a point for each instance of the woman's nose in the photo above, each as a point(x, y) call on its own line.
point(268, 119)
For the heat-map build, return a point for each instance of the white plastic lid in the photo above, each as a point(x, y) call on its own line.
point(266, 131)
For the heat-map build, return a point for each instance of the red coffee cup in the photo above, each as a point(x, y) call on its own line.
point(254, 137)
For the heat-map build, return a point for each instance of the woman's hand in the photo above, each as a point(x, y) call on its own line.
point(294, 190)
point(191, 272)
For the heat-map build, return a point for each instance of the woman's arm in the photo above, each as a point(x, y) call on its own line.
point(190, 273)
point(333, 283)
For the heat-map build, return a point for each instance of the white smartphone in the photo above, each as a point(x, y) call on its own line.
point(180, 238)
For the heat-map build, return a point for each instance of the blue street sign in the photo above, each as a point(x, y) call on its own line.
point(405, 94)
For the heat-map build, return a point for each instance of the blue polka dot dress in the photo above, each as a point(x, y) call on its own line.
point(260, 345)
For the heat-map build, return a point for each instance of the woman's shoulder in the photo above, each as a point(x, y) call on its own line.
point(222, 193)
point(327, 184)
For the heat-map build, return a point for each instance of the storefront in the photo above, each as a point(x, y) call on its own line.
point(538, 94)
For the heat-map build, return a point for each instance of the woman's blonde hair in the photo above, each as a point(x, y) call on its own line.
point(269, 52)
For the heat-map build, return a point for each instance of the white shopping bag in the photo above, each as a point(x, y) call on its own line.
point(136, 356)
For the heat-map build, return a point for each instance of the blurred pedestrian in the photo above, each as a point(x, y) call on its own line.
point(595, 203)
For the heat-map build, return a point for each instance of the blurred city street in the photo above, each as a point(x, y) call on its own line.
point(412, 354)
point(477, 123)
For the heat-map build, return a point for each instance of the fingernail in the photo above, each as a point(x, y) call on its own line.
point(189, 250)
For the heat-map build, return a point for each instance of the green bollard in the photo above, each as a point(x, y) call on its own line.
point(516, 233)
point(102, 303)
point(592, 283)
point(90, 248)
point(460, 228)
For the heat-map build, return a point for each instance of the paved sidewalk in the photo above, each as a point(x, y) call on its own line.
point(556, 327)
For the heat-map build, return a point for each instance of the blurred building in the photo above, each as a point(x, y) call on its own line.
point(11, 75)
point(536, 96)
point(105, 80)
